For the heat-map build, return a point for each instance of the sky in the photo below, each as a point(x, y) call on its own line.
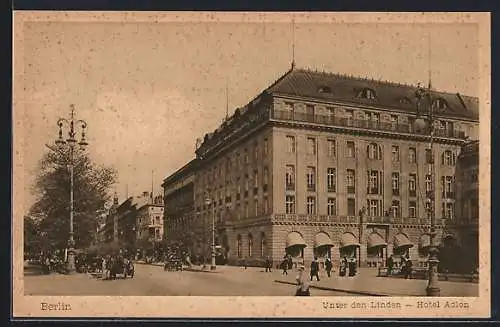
point(148, 90)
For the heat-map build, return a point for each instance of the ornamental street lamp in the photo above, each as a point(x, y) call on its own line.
point(424, 96)
point(208, 201)
point(71, 142)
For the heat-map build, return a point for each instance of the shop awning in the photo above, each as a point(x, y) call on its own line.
point(347, 240)
point(375, 240)
point(294, 239)
point(322, 239)
point(401, 240)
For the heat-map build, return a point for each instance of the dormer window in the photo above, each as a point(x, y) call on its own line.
point(439, 104)
point(405, 100)
point(324, 89)
point(367, 93)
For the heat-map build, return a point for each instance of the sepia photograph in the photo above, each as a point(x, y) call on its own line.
point(163, 158)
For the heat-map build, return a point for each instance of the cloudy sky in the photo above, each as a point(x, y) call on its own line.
point(148, 90)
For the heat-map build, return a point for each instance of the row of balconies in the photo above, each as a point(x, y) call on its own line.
point(355, 219)
point(369, 190)
point(362, 123)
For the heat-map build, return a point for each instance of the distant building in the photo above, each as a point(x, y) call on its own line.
point(323, 164)
point(137, 220)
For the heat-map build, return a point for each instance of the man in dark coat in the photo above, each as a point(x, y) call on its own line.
point(268, 264)
point(328, 266)
point(315, 269)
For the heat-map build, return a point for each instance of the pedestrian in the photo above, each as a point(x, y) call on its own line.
point(408, 268)
point(104, 263)
point(328, 266)
point(390, 265)
point(343, 267)
point(315, 269)
point(268, 264)
point(284, 266)
point(302, 283)
point(245, 263)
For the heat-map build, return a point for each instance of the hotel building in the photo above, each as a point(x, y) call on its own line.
point(322, 164)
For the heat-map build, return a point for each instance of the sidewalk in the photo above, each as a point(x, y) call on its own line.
point(367, 283)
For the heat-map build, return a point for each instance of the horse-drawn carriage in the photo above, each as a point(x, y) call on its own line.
point(120, 267)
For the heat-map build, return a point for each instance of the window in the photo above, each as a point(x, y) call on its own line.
point(350, 149)
point(351, 207)
point(368, 94)
point(395, 211)
point(395, 183)
point(310, 113)
point(439, 104)
point(373, 182)
point(246, 156)
point(266, 175)
point(351, 186)
point(250, 244)
point(412, 209)
point(311, 146)
point(447, 186)
point(448, 158)
point(289, 110)
point(349, 115)
point(412, 184)
point(330, 112)
point(374, 151)
point(395, 153)
point(394, 121)
point(246, 210)
point(332, 207)
point(256, 152)
point(428, 184)
point(238, 246)
point(412, 155)
point(311, 179)
point(290, 204)
point(290, 177)
point(266, 147)
point(447, 211)
point(311, 205)
point(428, 156)
point(256, 207)
point(255, 178)
point(332, 148)
point(374, 208)
point(331, 179)
point(266, 205)
point(373, 118)
point(290, 141)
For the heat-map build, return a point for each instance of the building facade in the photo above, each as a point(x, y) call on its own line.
point(466, 225)
point(136, 222)
point(180, 219)
point(321, 164)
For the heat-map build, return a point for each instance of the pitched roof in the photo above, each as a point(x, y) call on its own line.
point(344, 88)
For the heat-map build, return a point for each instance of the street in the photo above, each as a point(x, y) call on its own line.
point(154, 281)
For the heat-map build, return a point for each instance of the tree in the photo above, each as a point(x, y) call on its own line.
point(92, 184)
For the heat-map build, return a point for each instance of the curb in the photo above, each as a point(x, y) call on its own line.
point(336, 289)
point(201, 271)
